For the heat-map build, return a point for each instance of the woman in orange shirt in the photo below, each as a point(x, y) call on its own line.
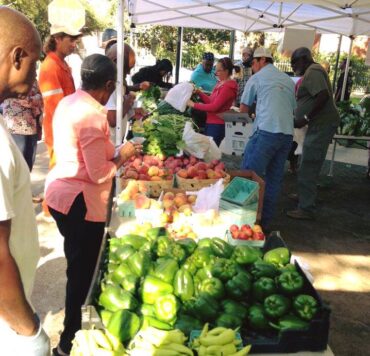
point(78, 187)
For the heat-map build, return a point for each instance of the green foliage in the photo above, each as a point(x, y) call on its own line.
point(37, 12)
point(162, 41)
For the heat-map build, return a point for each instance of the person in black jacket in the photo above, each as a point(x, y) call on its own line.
point(155, 74)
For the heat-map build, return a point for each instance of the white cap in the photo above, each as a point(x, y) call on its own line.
point(65, 29)
point(262, 52)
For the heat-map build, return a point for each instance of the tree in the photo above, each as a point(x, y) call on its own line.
point(162, 41)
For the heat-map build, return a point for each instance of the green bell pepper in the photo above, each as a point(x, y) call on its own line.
point(290, 283)
point(183, 285)
point(177, 252)
point(246, 255)
point(224, 269)
point(206, 242)
point(203, 257)
point(290, 322)
point(190, 265)
point(166, 269)
point(305, 306)
point(239, 286)
point(162, 245)
point(188, 244)
point(257, 318)
point(203, 273)
point(278, 256)
point(262, 288)
point(234, 308)
point(114, 298)
point(155, 323)
point(229, 321)
point(263, 269)
point(147, 310)
point(289, 267)
point(135, 241)
point(124, 325)
point(140, 263)
point(212, 287)
point(153, 288)
point(105, 316)
point(130, 283)
point(165, 308)
point(276, 305)
point(122, 253)
point(155, 232)
point(221, 248)
point(204, 307)
point(187, 323)
point(122, 271)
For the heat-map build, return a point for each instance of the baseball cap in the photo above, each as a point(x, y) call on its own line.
point(64, 29)
point(262, 52)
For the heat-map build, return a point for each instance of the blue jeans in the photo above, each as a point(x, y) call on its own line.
point(266, 154)
point(217, 131)
point(27, 144)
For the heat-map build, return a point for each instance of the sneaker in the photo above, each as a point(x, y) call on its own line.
point(37, 199)
point(57, 351)
point(300, 214)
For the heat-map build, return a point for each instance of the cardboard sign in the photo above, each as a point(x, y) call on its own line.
point(295, 38)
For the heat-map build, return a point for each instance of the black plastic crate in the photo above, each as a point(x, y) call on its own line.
point(314, 339)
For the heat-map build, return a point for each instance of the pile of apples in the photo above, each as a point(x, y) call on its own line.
point(153, 168)
point(174, 204)
point(246, 232)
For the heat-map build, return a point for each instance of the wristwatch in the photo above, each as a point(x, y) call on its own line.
point(306, 118)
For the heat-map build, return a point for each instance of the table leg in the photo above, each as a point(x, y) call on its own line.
point(330, 174)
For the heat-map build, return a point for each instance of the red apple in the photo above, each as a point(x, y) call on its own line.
point(247, 229)
point(242, 236)
point(234, 228)
point(258, 236)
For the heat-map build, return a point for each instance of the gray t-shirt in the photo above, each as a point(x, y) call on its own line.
point(314, 81)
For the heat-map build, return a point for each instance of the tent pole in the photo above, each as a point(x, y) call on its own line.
point(336, 63)
point(120, 124)
point(180, 32)
point(232, 45)
point(347, 69)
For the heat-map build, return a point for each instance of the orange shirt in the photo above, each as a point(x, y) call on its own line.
point(56, 82)
point(84, 153)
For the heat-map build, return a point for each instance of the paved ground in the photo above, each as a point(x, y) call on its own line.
point(336, 246)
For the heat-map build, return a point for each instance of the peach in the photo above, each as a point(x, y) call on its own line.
point(155, 178)
point(168, 203)
point(202, 175)
point(143, 169)
point(180, 200)
point(131, 174)
point(142, 201)
point(153, 171)
point(211, 173)
point(201, 166)
point(168, 195)
point(191, 199)
point(182, 173)
point(192, 172)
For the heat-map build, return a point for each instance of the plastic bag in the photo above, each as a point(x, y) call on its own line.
point(213, 152)
point(209, 198)
point(299, 135)
point(179, 95)
point(195, 143)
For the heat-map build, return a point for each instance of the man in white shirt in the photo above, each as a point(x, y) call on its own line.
point(20, 329)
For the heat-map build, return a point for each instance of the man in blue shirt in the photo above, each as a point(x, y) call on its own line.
point(204, 74)
point(272, 138)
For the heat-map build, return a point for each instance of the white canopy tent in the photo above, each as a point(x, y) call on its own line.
point(344, 17)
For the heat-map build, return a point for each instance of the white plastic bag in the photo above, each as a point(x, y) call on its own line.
point(179, 95)
point(195, 143)
point(209, 198)
point(213, 152)
point(299, 135)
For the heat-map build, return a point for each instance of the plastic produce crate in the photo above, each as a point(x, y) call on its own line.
point(236, 214)
point(241, 191)
point(238, 127)
point(239, 242)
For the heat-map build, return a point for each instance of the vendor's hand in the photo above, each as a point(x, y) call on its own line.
point(190, 103)
point(298, 123)
point(144, 85)
point(130, 149)
point(139, 113)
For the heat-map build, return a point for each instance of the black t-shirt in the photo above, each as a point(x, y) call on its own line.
point(150, 74)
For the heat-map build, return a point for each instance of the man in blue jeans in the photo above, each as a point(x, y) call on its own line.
point(272, 138)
